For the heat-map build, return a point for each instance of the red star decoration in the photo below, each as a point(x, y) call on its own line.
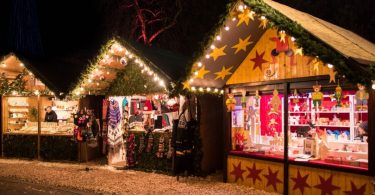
point(254, 173)
point(355, 191)
point(237, 172)
point(258, 60)
point(300, 182)
point(272, 178)
point(326, 186)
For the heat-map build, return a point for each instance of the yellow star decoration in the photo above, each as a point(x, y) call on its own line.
point(242, 44)
point(223, 73)
point(245, 16)
point(282, 36)
point(263, 23)
point(298, 51)
point(186, 85)
point(332, 76)
point(316, 65)
point(217, 52)
point(202, 72)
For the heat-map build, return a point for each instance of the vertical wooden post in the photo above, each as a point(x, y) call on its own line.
point(286, 117)
point(2, 126)
point(371, 132)
point(39, 125)
point(227, 136)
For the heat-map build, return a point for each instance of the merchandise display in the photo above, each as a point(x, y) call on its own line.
point(22, 115)
point(324, 127)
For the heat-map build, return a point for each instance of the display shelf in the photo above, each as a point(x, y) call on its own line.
point(19, 118)
point(332, 112)
point(361, 112)
point(342, 126)
point(348, 142)
point(300, 125)
point(307, 112)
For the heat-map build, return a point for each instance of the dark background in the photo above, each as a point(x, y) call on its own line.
point(60, 37)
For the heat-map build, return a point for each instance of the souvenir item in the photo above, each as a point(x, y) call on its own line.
point(338, 96)
point(150, 143)
point(361, 97)
point(257, 98)
point(317, 96)
point(160, 152)
point(243, 100)
point(230, 102)
point(275, 102)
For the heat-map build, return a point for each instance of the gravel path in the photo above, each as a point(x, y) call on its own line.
point(106, 180)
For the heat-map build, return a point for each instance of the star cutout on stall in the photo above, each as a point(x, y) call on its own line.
point(298, 51)
point(242, 44)
point(296, 108)
point(272, 179)
point(223, 73)
point(258, 60)
point(282, 35)
point(202, 72)
point(326, 186)
point(263, 23)
point(254, 173)
point(217, 52)
point(316, 65)
point(355, 190)
point(332, 76)
point(237, 172)
point(300, 182)
point(245, 17)
point(186, 85)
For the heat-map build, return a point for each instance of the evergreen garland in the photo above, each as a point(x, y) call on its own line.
point(131, 81)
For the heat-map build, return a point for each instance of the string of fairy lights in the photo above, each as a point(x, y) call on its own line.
point(112, 51)
point(36, 92)
point(264, 22)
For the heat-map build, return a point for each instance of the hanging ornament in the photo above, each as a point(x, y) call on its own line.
point(230, 102)
point(275, 103)
point(332, 76)
point(243, 100)
point(295, 94)
point(124, 61)
point(338, 96)
point(361, 97)
point(317, 96)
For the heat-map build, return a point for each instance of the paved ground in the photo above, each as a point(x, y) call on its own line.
point(16, 187)
point(33, 177)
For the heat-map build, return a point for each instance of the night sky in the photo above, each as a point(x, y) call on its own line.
point(60, 37)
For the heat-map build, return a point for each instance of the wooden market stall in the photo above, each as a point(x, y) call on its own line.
point(298, 112)
point(25, 132)
point(137, 112)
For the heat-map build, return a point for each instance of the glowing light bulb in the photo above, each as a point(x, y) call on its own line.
point(21, 64)
point(161, 83)
point(193, 88)
point(200, 89)
point(212, 46)
point(221, 91)
point(240, 7)
point(263, 17)
point(191, 80)
point(227, 28)
point(218, 37)
point(216, 90)
point(208, 89)
point(293, 39)
point(330, 65)
point(207, 56)
point(199, 64)
point(234, 19)
point(107, 72)
point(196, 73)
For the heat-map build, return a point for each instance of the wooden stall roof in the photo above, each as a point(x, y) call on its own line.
point(242, 30)
point(344, 41)
point(162, 66)
point(12, 66)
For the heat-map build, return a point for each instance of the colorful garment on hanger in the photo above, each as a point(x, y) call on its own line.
point(105, 108)
point(113, 114)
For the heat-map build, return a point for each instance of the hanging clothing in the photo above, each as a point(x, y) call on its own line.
point(113, 114)
point(105, 108)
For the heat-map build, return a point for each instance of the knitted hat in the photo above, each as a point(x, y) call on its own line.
point(364, 126)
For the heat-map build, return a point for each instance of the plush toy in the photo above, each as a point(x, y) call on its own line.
point(338, 96)
point(295, 97)
point(275, 102)
point(317, 96)
point(230, 102)
point(361, 97)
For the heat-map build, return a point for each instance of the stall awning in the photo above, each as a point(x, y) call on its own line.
point(344, 41)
